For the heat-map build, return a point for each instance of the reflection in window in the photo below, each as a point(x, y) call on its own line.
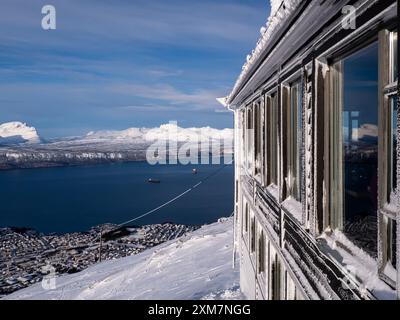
point(295, 137)
point(360, 141)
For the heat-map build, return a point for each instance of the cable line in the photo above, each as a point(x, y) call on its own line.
point(175, 198)
point(161, 206)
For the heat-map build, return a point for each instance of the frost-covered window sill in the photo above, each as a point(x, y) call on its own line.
point(294, 208)
point(356, 263)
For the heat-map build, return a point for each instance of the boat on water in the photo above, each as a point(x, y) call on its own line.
point(153, 180)
point(194, 171)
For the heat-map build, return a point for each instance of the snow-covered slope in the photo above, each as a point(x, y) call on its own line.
point(18, 132)
point(197, 266)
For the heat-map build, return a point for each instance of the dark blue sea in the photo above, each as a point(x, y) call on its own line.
point(70, 199)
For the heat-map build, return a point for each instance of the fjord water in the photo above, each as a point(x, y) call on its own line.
point(67, 199)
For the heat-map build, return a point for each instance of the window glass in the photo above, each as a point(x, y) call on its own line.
point(360, 142)
point(393, 105)
point(394, 56)
point(243, 141)
point(261, 253)
point(253, 235)
point(275, 279)
point(249, 134)
point(246, 219)
point(272, 131)
point(257, 137)
point(392, 243)
point(295, 126)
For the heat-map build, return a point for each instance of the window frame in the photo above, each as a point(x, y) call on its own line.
point(335, 138)
point(387, 217)
point(249, 136)
point(333, 195)
point(271, 138)
point(258, 125)
point(261, 252)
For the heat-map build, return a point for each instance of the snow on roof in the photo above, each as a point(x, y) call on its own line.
point(280, 11)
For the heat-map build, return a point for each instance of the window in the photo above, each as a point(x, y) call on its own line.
point(261, 252)
point(361, 158)
point(274, 274)
point(393, 56)
point(249, 138)
point(288, 287)
point(276, 278)
point(271, 138)
point(258, 127)
point(353, 147)
point(242, 124)
point(245, 218)
point(393, 144)
point(360, 147)
point(253, 235)
point(294, 138)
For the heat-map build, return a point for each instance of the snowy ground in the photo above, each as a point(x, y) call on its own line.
point(196, 266)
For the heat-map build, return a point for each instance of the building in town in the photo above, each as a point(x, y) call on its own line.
point(316, 157)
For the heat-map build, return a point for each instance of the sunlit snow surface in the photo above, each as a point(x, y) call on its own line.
point(196, 266)
point(18, 132)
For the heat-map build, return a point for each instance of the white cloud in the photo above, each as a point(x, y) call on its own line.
point(366, 130)
point(172, 96)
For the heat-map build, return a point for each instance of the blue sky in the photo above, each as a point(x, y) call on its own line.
point(119, 64)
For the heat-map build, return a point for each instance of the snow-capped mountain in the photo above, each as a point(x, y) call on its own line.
point(18, 132)
point(166, 131)
point(101, 146)
point(196, 266)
